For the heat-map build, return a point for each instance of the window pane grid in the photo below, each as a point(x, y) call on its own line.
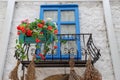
point(66, 19)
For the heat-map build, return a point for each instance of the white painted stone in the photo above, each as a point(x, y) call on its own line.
point(91, 21)
point(3, 6)
point(3, 9)
point(115, 8)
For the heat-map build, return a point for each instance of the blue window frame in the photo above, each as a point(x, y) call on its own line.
point(58, 9)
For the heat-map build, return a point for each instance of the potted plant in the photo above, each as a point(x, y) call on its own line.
point(36, 32)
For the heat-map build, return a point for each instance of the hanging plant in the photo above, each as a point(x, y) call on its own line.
point(37, 31)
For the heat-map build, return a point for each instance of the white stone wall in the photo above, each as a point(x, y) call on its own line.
point(115, 9)
point(3, 6)
point(91, 21)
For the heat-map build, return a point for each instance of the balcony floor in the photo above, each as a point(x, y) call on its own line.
point(55, 63)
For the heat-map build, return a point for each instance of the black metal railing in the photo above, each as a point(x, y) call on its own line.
point(79, 46)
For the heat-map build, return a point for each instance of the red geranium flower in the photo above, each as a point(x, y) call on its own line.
point(49, 28)
point(55, 47)
point(23, 29)
point(18, 27)
point(43, 22)
point(41, 33)
point(55, 31)
point(37, 40)
point(29, 32)
point(40, 25)
point(18, 33)
point(42, 56)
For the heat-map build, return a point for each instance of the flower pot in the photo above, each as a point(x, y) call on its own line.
point(26, 39)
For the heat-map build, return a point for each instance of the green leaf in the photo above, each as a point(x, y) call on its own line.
point(45, 26)
point(24, 25)
point(23, 57)
point(63, 41)
point(18, 46)
point(21, 41)
point(37, 46)
point(16, 41)
point(37, 60)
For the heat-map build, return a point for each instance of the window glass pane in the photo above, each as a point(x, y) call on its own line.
point(67, 16)
point(51, 14)
point(67, 29)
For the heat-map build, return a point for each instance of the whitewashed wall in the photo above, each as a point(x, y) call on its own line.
point(115, 7)
point(3, 6)
point(91, 21)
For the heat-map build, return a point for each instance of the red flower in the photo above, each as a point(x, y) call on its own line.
point(29, 32)
point(18, 33)
point(42, 57)
point(55, 31)
point(55, 47)
point(23, 29)
point(37, 40)
point(18, 27)
point(43, 22)
point(49, 28)
point(40, 25)
point(41, 33)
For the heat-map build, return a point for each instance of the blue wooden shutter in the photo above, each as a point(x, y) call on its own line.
point(57, 11)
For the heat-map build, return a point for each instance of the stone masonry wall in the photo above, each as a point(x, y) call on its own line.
point(91, 21)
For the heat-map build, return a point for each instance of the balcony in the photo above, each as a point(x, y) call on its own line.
point(78, 46)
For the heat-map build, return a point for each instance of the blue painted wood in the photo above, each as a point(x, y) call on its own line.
point(59, 8)
point(67, 8)
point(50, 9)
point(41, 11)
point(38, 51)
point(77, 32)
point(57, 54)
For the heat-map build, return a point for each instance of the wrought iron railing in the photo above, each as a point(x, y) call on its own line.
point(79, 46)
